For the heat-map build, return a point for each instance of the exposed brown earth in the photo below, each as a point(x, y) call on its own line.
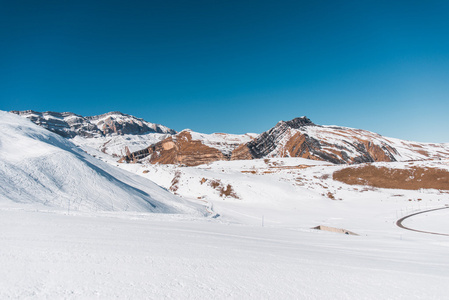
point(175, 181)
point(275, 169)
point(216, 184)
point(413, 178)
point(241, 153)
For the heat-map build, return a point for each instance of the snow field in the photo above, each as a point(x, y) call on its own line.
point(51, 255)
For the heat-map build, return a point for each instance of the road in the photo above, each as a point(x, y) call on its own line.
point(399, 222)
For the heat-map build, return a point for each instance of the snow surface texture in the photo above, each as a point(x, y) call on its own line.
point(50, 255)
point(38, 166)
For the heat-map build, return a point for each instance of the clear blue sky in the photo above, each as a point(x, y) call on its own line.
point(233, 66)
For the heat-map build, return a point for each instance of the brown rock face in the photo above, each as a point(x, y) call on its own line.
point(302, 138)
point(180, 149)
point(241, 152)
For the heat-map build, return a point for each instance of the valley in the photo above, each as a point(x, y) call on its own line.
point(219, 215)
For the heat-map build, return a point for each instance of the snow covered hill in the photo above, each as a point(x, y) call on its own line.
point(38, 166)
point(113, 133)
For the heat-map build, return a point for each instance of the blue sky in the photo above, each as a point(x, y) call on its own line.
point(233, 66)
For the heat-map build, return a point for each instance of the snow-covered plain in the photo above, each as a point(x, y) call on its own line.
point(53, 255)
point(256, 243)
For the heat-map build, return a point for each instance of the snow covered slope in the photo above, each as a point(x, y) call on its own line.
point(38, 166)
point(113, 133)
point(119, 145)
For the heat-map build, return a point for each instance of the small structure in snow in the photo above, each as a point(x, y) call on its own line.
point(333, 229)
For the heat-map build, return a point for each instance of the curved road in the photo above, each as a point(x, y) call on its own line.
point(399, 222)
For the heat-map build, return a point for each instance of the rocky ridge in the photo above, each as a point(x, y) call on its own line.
point(189, 148)
point(299, 137)
point(135, 140)
point(69, 125)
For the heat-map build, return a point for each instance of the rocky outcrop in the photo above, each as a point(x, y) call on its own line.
point(300, 137)
point(178, 149)
point(69, 125)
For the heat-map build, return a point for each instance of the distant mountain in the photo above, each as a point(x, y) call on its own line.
point(69, 125)
point(300, 137)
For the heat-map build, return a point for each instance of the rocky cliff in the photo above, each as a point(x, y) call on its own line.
point(300, 137)
point(177, 149)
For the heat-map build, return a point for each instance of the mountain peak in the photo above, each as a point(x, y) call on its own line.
point(111, 113)
point(298, 122)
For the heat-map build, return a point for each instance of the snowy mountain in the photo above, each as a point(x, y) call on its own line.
point(302, 138)
point(69, 125)
point(113, 133)
point(134, 139)
point(299, 137)
point(40, 167)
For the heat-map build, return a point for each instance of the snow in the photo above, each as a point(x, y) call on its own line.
point(50, 255)
point(432, 221)
point(224, 142)
point(115, 145)
point(124, 118)
point(259, 245)
point(38, 166)
point(407, 150)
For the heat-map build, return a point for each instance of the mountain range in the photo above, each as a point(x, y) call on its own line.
point(69, 125)
point(134, 140)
